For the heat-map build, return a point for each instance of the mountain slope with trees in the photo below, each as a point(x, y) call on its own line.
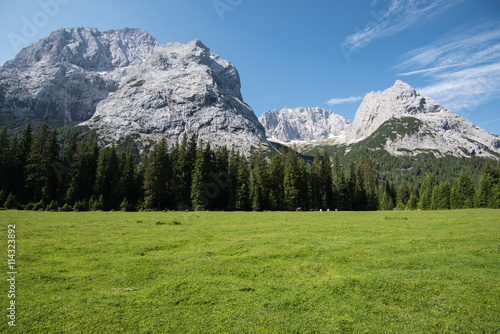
point(37, 172)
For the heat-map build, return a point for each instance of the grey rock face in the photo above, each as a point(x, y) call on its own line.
point(441, 131)
point(303, 124)
point(124, 83)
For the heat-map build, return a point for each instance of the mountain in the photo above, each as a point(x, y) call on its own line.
point(125, 84)
point(302, 124)
point(402, 121)
point(398, 120)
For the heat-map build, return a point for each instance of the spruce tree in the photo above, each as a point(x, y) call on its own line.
point(222, 178)
point(127, 185)
point(386, 203)
point(107, 180)
point(4, 150)
point(340, 190)
point(260, 183)
point(200, 175)
point(292, 181)
point(403, 193)
point(412, 202)
point(242, 185)
point(463, 192)
point(22, 154)
point(441, 196)
point(11, 202)
point(495, 198)
point(156, 176)
point(316, 182)
point(426, 192)
point(36, 168)
point(366, 188)
point(352, 188)
point(52, 173)
point(276, 183)
point(487, 186)
point(11, 170)
point(326, 181)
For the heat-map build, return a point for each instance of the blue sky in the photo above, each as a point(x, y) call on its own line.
point(308, 53)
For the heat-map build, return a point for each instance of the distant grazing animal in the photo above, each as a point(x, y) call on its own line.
point(328, 210)
point(299, 209)
point(321, 210)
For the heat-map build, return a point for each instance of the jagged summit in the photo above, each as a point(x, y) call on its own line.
point(302, 124)
point(378, 107)
point(403, 121)
point(88, 48)
point(124, 83)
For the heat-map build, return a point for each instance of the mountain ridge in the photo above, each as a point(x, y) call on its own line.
point(403, 122)
point(124, 83)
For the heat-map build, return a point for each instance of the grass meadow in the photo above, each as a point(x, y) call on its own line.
point(250, 272)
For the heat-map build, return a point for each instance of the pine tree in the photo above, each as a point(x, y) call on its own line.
point(200, 178)
point(11, 202)
point(316, 182)
point(4, 150)
point(340, 189)
point(222, 178)
point(326, 181)
point(260, 183)
point(487, 185)
point(352, 188)
point(293, 181)
point(36, 168)
point(11, 170)
point(412, 202)
point(243, 185)
point(463, 192)
point(366, 189)
point(276, 183)
point(52, 173)
point(23, 152)
point(127, 183)
point(441, 196)
point(179, 177)
point(156, 177)
point(80, 164)
point(426, 192)
point(495, 198)
point(386, 203)
point(107, 179)
point(403, 193)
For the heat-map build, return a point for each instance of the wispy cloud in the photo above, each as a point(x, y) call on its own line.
point(336, 101)
point(463, 69)
point(397, 16)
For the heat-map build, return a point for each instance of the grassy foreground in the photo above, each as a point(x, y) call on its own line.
point(286, 272)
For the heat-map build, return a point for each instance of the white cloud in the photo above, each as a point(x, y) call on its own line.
point(336, 101)
point(463, 69)
point(397, 16)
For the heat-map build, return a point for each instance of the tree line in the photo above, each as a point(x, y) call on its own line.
point(37, 173)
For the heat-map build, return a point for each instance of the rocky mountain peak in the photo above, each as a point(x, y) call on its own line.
point(302, 124)
point(124, 83)
point(88, 48)
point(406, 121)
point(378, 107)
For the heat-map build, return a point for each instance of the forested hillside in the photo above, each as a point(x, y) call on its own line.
point(40, 171)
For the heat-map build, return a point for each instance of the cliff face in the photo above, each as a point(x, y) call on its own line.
point(124, 83)
point(303, 124)
point(406, 122)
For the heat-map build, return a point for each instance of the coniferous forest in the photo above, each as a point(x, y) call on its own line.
point(40, 172)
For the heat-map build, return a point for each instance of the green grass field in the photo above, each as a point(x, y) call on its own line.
point(271, 272)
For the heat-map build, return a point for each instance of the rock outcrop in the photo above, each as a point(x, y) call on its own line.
point(124, 83)
point(303, 124)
